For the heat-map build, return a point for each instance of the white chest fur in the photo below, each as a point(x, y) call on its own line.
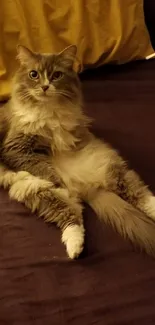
point(56, 125)
point(86, 168)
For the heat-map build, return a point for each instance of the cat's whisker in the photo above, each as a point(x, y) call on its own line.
point(25, 97)
point(65, 94)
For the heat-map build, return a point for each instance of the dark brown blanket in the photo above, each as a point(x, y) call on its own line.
point(110, 284)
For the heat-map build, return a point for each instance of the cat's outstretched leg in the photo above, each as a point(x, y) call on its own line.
point(55, 205)
point(123, 217)
point(132, 189)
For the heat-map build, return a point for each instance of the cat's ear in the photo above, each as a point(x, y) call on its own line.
point(68, 55)
point(24, 55)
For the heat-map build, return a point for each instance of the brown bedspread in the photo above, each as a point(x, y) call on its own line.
point(110, 284)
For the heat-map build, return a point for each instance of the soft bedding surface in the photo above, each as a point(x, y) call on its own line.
point(110, 284)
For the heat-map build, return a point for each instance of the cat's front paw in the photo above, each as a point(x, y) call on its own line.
point(26, 185)
point(73, 238)
point(148, 207)
point(7, 179)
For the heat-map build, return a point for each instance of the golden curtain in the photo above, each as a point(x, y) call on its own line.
point(103, 30)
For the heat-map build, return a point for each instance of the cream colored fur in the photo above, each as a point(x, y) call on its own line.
point(148, 206)
point(49, 122)
point(7, 177)
point(86, 169)
point(73, 238)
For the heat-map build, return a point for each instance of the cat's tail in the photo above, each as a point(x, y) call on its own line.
point(128, 221)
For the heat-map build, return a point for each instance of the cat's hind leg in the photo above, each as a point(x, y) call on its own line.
point(123, 217)
point(132, 189)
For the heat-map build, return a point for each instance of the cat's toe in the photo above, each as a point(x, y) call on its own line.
point(149, 207)
point(73, 238)
point(74, 247)
point(7, 179)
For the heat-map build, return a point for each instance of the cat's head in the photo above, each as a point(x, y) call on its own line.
point(47, 77)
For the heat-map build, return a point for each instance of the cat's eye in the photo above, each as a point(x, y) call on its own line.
point(33, 74)
point(57, 75)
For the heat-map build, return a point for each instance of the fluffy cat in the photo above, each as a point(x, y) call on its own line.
point(52, 163)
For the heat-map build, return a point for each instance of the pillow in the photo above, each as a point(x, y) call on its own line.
point(104, 31)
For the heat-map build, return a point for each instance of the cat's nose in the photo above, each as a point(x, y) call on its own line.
point(44, 88)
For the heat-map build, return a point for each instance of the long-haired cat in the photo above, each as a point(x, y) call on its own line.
point(51, 162)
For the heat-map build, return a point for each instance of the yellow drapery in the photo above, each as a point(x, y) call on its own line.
point(103, 30)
